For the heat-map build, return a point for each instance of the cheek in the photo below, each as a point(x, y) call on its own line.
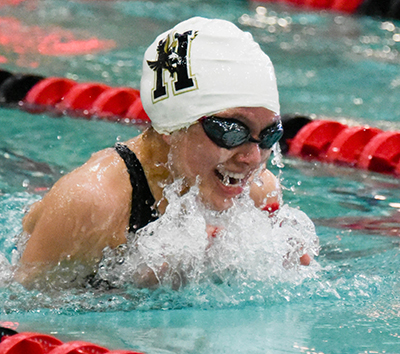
point(188, 159)
point(200, 161)
point(201, 158)
point(266, 155)
point(193, 154)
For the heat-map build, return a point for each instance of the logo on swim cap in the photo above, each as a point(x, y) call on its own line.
point(173, 55)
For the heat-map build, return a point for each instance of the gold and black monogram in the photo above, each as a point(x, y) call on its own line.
point(173, 55)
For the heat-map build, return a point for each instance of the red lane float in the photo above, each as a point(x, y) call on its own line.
point(47, 94)
point(345, 6)
point(382, 153)
point(348, 144)
point(363, 147)
point(62, 96)
point(318, 4)
point(136, 111)
point(323, 140)
point(36, 343)
point(57, 95)
point(79, 347)
point(122, 352)
point(314, 139)
point(27, 342)
point(78, 101)
point(114, 102)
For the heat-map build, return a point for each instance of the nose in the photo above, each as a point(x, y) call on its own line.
point(250, 154)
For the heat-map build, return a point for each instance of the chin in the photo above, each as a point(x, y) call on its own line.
point(218, 204)
point(220, 197)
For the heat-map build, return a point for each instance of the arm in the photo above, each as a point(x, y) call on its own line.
point(265, 191)
point(266, 194)
point(84, 212)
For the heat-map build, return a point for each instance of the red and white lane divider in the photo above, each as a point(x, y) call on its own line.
point(362, 147)
point(344, 6)
point(324, 140)
point(12, 342)
point(62, 96)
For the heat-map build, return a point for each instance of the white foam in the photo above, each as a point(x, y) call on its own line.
point(250, 245)
point(5, 270)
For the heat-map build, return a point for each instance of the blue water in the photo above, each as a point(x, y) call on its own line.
point(341, 67)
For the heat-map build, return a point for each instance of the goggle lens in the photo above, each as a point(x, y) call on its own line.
point(230, 133)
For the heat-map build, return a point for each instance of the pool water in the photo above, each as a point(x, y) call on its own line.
point(327, 65)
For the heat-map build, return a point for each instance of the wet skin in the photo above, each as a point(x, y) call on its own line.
point(222, 173)
point(88, 209)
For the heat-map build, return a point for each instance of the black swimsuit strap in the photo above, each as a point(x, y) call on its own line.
point(142, 208)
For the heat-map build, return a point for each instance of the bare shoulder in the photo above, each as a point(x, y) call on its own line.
point(265, 189)
point(85, 211)
point(101, 183)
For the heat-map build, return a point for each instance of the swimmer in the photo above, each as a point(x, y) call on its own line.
point(211, 94)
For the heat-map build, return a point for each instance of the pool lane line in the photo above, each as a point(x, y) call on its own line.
point(339, 6)
point(388, 9)
point(327, 141)
point(12, 342)
point(59, 96)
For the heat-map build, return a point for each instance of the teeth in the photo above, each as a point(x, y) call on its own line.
point(236, 175)
point(225, 180)
point(229, 178)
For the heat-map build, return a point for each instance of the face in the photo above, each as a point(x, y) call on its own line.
point(222, 173)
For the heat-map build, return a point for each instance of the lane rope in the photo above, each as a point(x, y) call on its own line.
point(61, 96)
point(12, 342)
point(388, 9)
point(328, 141)
point(344, 6)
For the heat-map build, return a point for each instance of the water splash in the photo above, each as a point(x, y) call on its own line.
point(5, 271)
point(238, 257)
point(190, 244)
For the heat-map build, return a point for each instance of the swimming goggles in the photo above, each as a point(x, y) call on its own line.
point(229, 133)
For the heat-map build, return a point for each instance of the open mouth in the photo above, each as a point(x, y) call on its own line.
point(230, 179)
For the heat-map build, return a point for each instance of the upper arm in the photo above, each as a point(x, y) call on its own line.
point(265, 189)
point(83, 213)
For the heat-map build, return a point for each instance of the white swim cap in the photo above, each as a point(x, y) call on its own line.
point(202, 67)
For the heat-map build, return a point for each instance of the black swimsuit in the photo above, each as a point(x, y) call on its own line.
point(142, 207)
